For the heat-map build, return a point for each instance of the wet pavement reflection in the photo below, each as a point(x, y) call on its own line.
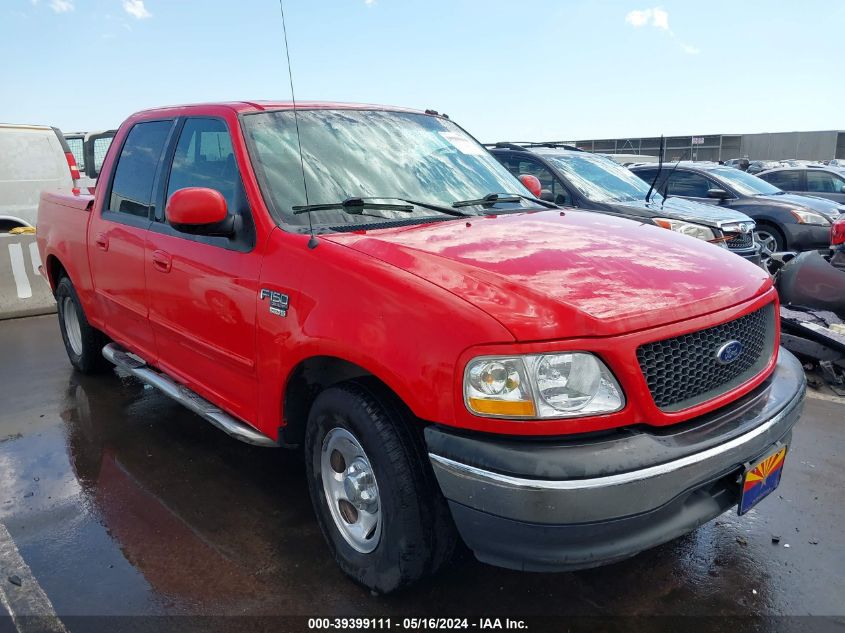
point(123, 502)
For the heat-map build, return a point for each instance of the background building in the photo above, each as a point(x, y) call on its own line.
point(771, 146)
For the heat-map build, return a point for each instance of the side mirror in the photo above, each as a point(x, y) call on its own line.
point(532, 183)
point(199, 211)
point(719, 194)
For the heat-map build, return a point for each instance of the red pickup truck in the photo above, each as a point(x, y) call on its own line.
point(453, 356)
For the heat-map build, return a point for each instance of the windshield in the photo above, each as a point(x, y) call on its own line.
point(600, 179)
point(371, 154)
point(745, 184)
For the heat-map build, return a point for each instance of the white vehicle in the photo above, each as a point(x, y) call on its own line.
point(89, 149)
point(33, 158)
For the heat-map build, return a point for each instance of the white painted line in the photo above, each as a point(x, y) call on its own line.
point(19, 271)
point(35, 257)
point(29, 606)
point(829, 397)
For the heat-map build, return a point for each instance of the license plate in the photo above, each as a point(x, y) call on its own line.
point(761, 478)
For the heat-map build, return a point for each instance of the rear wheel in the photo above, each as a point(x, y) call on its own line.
point(375, 497)
point(83, 343)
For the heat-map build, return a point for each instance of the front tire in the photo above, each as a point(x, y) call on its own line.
point(374, 494)
point(83, 343)
point(771, 239)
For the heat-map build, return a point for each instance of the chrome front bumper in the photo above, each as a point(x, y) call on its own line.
point(556, 487)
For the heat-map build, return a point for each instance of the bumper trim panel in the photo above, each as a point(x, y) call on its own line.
point(621, 478)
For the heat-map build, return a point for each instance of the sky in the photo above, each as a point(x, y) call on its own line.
point(504, 70)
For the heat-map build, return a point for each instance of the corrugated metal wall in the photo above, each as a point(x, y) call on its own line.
point(803, 145)
point(777, 145)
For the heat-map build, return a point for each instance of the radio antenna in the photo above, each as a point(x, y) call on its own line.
point(312, 243)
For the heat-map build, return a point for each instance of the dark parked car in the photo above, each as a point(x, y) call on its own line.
point(571, 177)
point(824, 182)
point(784, 221)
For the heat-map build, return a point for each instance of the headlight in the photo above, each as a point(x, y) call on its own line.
point(563, 385)
point(808, 217)
point(687, 228)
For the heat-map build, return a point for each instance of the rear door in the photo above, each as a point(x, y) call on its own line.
point(203, 289)
point(117, 237)
point(825, 184)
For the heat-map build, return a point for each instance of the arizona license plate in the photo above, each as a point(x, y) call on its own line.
point(761, 478)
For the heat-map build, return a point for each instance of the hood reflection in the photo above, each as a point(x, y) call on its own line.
point(550, 274)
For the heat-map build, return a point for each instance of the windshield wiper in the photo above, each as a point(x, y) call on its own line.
point(429, 205)
point(494, 198)
point(352, 206)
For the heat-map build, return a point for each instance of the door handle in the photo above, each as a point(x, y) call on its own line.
point(102, 241)
point(162, 261)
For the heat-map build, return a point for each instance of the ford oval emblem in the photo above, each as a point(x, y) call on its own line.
point(728, 352)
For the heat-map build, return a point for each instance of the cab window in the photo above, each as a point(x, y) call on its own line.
point(204, 158)
point(552, 189)
point(132, 188)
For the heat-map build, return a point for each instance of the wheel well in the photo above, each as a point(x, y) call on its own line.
point(307, 380)
point(7, 224)
point(55, 270)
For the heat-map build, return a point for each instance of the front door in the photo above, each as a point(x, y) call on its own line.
point(117, 236)
point(203, 289)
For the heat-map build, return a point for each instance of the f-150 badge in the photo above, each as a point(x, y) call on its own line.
point(278, 301)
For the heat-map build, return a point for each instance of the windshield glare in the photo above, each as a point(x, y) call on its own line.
point(600, 179)
point(745, 184)
point(370, 154)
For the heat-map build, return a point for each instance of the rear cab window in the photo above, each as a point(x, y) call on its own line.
point(137, 165)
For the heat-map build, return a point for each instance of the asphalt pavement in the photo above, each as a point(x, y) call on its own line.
point(117, 501)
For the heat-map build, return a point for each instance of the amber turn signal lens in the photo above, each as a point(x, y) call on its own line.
point(502, 407)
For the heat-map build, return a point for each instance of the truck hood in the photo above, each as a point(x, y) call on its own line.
point(549, 274)
point(680, 209)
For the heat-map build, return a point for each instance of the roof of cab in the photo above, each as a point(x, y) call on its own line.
point(262, 106)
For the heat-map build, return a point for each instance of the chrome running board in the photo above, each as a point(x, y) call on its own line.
point(133, 365)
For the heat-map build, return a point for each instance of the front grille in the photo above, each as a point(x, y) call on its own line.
point(741, 241)
point(684, 371)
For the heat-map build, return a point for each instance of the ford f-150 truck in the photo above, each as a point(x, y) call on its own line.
point(454, 357)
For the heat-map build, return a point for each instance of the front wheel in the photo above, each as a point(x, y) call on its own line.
point(374, 494)
point(770, 239)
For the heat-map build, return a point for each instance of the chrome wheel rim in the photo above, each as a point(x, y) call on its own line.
point(351, 490)
point(768, 243)
point(73, 331)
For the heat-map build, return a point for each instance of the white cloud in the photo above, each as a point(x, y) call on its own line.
point(660, 18)
point(657, 17)
point(61, 6)
point(370, 3)
point(136, 9)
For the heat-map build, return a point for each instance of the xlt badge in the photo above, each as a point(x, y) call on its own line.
point(278, 301)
